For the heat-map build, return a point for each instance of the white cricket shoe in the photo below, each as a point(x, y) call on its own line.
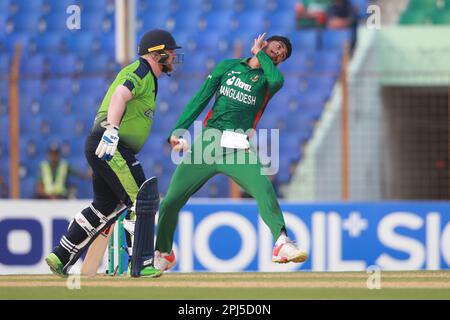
point(164, 261)
point(288, 252)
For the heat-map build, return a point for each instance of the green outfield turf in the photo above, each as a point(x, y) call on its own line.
point(235, 286)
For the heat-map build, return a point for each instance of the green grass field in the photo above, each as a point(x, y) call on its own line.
point(234, 286)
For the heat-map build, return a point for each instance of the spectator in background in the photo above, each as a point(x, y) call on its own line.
point(53, 181)
point(342, 15)
point(311, 13)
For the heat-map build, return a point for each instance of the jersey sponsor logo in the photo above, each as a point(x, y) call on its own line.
point(149, 113)
point(233, 72)
point(239, 83)
point(237, 95)
point(231, 80)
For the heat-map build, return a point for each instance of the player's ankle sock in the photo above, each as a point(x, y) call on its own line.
point(281, 239)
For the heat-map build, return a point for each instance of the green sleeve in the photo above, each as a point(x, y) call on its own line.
point(201, 99)
point(274, 77)
point(131, 81)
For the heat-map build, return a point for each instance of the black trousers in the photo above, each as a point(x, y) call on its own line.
point(115, 181)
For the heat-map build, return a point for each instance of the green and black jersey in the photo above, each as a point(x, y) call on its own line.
point(138, 117)
point(241, 92)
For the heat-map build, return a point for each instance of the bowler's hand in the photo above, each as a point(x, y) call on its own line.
point(178, 144)
point(259, 44)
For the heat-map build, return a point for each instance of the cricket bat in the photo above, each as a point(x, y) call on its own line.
point(96, 252)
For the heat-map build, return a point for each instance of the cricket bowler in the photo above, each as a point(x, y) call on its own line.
point(120, 130)
point(243, 88)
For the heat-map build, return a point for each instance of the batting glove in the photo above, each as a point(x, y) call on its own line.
point(108, 144)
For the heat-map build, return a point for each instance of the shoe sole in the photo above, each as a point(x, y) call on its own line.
point(54, 268)
point(156, 275)
point(302, 257)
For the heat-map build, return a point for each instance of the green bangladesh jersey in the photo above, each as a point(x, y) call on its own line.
point(241, 92)
point(138, 117)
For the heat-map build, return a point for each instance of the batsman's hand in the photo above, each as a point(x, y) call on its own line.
point(259, 43)
point(108, 144)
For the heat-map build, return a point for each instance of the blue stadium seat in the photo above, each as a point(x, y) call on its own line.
point(246, 38)
point(328, 61)
point(282, 20)
point(27, 22)
point(250, 5)
point(59, 5)
point(49, 42)
point(5, 6)
point(322, 84)
point(186, 5)
point(5, 63)
point(4, 126)
point(285, 4)
point(54, 85)
point(85, 105)
point(194, 63)
point(155, 6)
point(4, 85)
point(54, 104)
point(67, 64)
point(305, 40)
point(311, 106)
point(34, 64)
point(56, 21)
point(94, 86)
point(96, 22)
point(335, 39)
point(29, 105)
point(218, 5)
point(82, 43)
point(20, 6)
point(215, 42)
point(97, 5)
point(163, 123)
point(27, 188)
point(3, 19)
point(31, 147)
point(249, 20)
point(187, 21)
point(9, 42)
point(108, 44)
point(298, 63)
point(99, 63)
point(31, 88)
point(150, 19)
point(217, 21)
point(84, 190)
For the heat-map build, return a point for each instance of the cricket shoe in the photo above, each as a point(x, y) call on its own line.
point(164, 261)
point(147, 272)
point(56, 266)
point(288, 252)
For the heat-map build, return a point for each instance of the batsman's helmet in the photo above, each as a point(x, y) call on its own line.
point(157, 40)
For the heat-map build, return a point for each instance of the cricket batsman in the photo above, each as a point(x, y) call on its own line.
point(120, 130)
point(243, 88)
